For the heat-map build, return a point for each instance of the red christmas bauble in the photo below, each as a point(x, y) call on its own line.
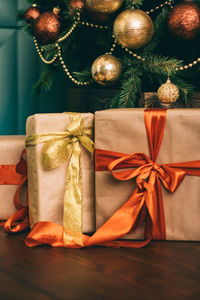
point(46, 28)
point(184, 20)
point(31, 14)
point(76, 5)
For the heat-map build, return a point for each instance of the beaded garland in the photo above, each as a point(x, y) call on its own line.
point(78, 21)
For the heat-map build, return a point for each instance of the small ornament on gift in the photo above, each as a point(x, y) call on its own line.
point(168, 93)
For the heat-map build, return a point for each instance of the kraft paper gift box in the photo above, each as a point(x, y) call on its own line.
point(47, 187)
point(11, 148)
point(124, 131)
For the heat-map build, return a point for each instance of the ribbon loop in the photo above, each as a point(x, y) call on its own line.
point(19, 221)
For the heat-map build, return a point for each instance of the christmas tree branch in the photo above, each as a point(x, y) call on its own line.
point(84, 75)
point(130, 88)
point(86, 43)
point(185, 88)
point(45, 81)
point(133, 3)
point(159, 28)
point(157, 64)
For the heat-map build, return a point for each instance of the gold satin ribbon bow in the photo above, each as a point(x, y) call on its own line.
point(58, 148)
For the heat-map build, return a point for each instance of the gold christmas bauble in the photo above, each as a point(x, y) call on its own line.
point(106, 69)
point(168, 92)
point(133, 28)
point(104, 6)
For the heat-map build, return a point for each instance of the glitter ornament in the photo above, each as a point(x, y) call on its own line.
point(168, 92)
point(104, 6)
point(76, 5)
point(99, 18)
point(31, 14)
point(106, 69)
point(184, 20)
point(46, 27)
point(133, 28)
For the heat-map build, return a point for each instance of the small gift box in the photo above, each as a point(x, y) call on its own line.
point(60, 172)
point(147, 175)
point(11, 180)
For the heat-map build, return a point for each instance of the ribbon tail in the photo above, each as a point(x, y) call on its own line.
point(159, 231)
point(129, 244)
point(73, 198)
point(155, 221)
point(121, 223)
point(45, 233)
point(18, 222)
point(50, 234)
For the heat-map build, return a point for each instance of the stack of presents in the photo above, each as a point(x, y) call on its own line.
point(119, 178)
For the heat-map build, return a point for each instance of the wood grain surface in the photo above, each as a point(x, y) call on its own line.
point(162, 270)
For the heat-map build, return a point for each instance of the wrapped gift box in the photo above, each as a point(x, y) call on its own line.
point(47, 187)
point(124, 131)
point(11, 148)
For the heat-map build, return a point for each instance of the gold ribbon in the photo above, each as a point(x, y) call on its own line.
point(58, 148)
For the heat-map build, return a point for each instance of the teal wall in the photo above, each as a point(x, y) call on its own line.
point(19, 70)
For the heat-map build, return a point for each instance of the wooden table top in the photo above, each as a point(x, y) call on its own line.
point(162, 270)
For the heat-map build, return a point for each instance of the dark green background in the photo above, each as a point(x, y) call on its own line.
point(19, 70)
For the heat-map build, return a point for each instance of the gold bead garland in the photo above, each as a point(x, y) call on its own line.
point(59, 55)
point(83, 23)
point(68, 33)
point(82, 83)
point(185, 67)
point(89, 24)
point(112, 47)
point(48, 62)
point(93, 25)
point(133, 54)
point(160, 6)
point(190, 65)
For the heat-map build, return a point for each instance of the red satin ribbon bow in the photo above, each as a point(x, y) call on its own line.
point(145, 203)
point(18, 175)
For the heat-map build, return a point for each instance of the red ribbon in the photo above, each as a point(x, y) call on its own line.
point(145, 203)
point(16, 175)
